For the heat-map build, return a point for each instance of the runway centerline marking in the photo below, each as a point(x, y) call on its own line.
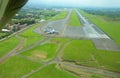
point(65, 26)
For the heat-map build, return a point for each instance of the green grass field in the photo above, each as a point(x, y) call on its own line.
point(46, 51)
point(43, 52)
point(83, 52)
point(109, 27)
point(29, 33)
point(7, 45)
point(2, 34)
point(61, 15)
point(52, 71)
point(15, 67)
point(74, 20)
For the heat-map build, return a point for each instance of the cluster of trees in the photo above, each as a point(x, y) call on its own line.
point(31, 15)
point(36, 13)
point(113, 13)
point(4, 34)
point(27, 21)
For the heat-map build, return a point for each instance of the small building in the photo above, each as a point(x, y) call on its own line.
point(5, 30)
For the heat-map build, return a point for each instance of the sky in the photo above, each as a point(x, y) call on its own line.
point(93, 3)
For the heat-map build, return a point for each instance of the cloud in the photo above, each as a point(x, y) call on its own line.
point(79, 2)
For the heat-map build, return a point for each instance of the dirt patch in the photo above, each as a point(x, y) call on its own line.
point(43, 56)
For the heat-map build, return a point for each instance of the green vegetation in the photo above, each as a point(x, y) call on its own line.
point(61, 15)
point(46, 51)
point(29, 33)
point(15, 67)
point(52, 71)
point(7, 45)
point(42, 52)
point(2, 34)
point(71, 51)
point(83, 52)
point(74, 20)
point(110, 27)
point(94, 76)
point(79, 52)
point(31, 15)
point(113, 14)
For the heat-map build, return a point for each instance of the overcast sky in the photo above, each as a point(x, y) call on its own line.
point(98, 3)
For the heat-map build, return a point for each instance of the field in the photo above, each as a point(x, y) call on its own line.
point(26, 36)
point(18, 66)
point(46, 51)
point(74, 20)
point(5, 46)
point(29, 33)
point(59, 16)
point(107, 26)
point(87, 55)
point(2, 34)
point(52, 71)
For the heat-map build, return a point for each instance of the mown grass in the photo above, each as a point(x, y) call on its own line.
point(95, 76)
point(83, 52)
point(46, 51)
point(16, 67)
point(2, 34)
point(30, 36)
point(109, 27)
point(42, 52)
point(74, 49)
point(61, 15)
point(7, 45)
point(74, 20)
point(52, 71)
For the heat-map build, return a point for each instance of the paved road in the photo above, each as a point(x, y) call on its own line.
point(90, 69)
point(99, 38)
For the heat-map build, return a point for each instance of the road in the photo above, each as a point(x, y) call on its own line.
point(70, 66)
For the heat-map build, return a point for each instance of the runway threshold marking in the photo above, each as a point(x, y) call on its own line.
point(65, 26)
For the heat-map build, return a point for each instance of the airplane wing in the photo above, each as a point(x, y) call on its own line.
point(8, 8)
